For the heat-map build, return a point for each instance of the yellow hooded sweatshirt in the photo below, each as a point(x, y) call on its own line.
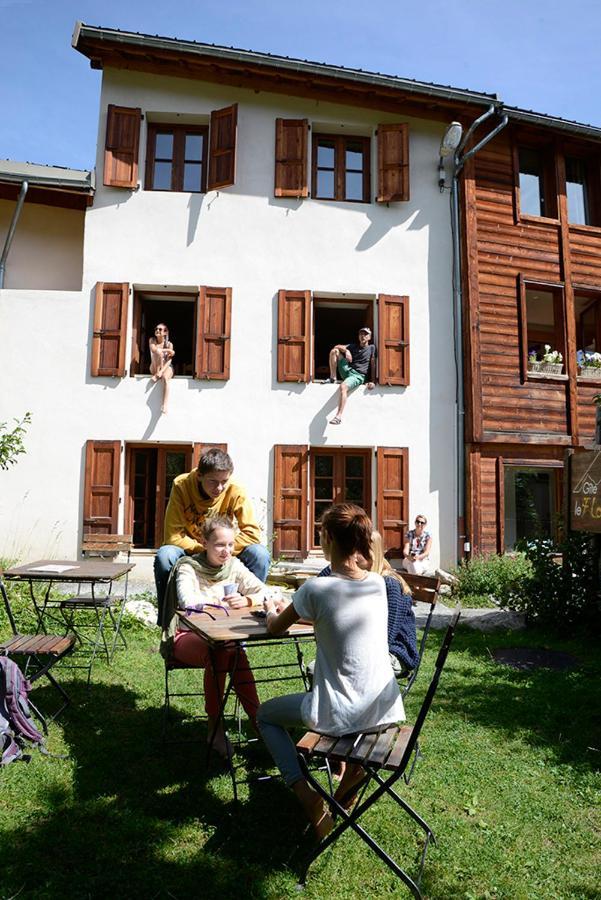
point(187, 510)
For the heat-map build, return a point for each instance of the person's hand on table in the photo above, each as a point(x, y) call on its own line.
point(237, 601)
point(269, 606)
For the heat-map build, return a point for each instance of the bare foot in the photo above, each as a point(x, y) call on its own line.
point(315, 809)
point(154, 378)
point(163, 410)
point(345, 795)
point(220, 742)
point(338, 770)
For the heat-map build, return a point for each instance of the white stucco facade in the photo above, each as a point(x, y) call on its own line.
point(244, 238)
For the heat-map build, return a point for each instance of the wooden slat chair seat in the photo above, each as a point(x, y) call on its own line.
point(105, 546)
point(386, 755)
point(37, 654)
point(425, 588)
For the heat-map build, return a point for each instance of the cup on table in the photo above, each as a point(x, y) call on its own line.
point(229, 589)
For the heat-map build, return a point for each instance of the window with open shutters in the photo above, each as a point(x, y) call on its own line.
point(309, 325)
point(307, 480)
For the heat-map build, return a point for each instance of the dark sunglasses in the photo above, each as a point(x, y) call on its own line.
point(420, 521)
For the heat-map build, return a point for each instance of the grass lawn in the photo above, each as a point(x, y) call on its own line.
point(509, 782)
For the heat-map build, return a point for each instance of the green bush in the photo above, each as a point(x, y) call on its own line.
point(560, 594)
point(491, 580)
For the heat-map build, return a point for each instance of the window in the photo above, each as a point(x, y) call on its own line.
point(577, 192)
point(309, 326)
point(588, 322)
point(176, 158)
point(542, 323)
point(177, 311)
point(182, 157)
point(341, 168)
point(338, 476)
point(530, 503)
point(199, 325)
point(536, 179)
point(336, 322)
point(151, 471)
point(308, 480)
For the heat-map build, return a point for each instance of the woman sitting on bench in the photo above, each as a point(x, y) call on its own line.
point(354, 688)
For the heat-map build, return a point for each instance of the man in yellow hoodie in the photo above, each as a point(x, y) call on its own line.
point(208, 491)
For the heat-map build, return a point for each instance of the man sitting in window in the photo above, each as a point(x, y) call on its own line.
point(352, 362)
point(208, 491)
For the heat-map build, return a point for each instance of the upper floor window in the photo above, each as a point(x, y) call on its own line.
point(176, 158)
point(340, 164)
point(542, 328)
point(341, 168)
point(537, 196)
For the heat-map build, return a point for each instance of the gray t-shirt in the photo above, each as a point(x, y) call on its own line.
point(354, 687)
point(361, 357)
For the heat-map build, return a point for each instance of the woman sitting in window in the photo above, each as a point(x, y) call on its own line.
point(416, 551)
point(215, 579)
point(161, 354)
point(354, 687)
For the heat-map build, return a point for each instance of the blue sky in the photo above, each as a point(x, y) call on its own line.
point(536, 54)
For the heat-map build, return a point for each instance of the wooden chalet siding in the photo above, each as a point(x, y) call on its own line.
point(585, 253)
point(489, 495)
point(586, 412)
point(506, 250)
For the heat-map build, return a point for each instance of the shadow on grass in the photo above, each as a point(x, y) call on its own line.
point(141, 819)
point(560, 710)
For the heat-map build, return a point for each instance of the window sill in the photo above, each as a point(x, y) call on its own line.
point(526, 219)
point(594, 382)
point(541, 376)
point(339, 200)
point(141, 375)
point(585, 229)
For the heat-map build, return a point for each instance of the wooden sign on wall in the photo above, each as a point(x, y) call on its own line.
point(585, 490)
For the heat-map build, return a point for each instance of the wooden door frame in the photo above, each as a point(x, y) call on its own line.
point(162, 449)
point(339, 454)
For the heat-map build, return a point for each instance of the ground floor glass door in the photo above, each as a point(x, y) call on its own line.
point(151, 470)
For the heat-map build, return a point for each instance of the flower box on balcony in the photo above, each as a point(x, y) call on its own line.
point(593, 372)
point(545, 368)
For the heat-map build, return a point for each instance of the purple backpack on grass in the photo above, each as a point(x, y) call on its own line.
point(17, 729)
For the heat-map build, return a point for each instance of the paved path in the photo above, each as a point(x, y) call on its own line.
point(481, 619)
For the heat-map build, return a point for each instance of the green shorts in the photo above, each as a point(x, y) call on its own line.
point(350, 376)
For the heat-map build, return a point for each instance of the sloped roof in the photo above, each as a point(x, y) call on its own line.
point(47, 176)
point(137, 50)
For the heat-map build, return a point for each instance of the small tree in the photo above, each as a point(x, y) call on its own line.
point(11, 442)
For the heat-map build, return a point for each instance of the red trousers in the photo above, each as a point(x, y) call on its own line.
point(192, 651)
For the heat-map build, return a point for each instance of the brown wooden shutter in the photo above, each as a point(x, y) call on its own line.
point(222, 147)
point(213, 333)
point(291, 170)
point(392, 497)
point(294, 335)
point(393, 339)
point(101, 488)
point(393, 163)
point(110, 325)
point(198, 448)
point(121, 147)
point(290, 477)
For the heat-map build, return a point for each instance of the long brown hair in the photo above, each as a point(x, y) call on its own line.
point(350, 528)
point(381, 565)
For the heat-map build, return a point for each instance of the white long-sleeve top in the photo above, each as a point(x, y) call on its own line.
point(193, 587)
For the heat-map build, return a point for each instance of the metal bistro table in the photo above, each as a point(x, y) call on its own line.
point(240, 627)
point(80, 572)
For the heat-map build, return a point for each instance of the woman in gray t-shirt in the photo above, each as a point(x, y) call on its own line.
point(354, 687)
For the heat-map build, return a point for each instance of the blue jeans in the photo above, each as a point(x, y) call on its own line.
point(273, 718)
point(255, 557)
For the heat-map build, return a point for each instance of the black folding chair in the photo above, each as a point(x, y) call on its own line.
point(37, 654)
point(386, 755)
point(425, 588)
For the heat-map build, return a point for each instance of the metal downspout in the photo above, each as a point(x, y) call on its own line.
point(12, 229)
point(459, 160)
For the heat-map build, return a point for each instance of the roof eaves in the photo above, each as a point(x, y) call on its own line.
point(376, 79)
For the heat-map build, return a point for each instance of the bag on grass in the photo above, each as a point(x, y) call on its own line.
point(17, 728)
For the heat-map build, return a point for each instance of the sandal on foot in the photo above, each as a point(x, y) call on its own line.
point(336, 421)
